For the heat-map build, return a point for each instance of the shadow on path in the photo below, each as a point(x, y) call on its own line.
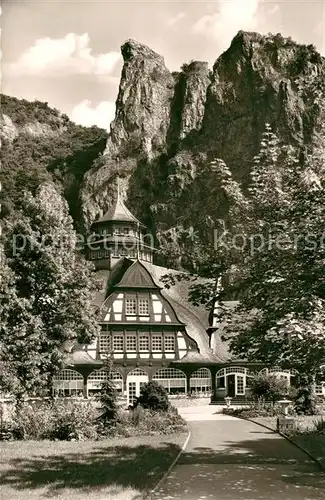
point(243, 463)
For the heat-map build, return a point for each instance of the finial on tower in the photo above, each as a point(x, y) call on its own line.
point(118, 188)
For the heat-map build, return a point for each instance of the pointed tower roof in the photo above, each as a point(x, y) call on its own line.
point(118, 212)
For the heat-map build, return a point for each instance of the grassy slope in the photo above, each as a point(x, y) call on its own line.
point(312, 441)
point(119, 469)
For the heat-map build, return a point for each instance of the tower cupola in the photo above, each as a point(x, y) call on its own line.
point(118, 234)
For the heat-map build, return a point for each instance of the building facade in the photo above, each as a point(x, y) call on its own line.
point(148, 332)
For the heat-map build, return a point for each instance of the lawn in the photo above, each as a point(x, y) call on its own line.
point(306, 437)
point(114, 469)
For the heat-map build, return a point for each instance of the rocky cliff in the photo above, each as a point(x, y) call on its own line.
point(167, 129)
point(168, 126)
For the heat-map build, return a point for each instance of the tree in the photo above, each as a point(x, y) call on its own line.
point(46, 291)
point(108, 395)
point(271, 255)
point(284, 284)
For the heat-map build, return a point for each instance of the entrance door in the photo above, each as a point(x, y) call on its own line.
point(240, 390)
point(132, 392)
point(231, 385)
point(135, 381)
point(134, 389)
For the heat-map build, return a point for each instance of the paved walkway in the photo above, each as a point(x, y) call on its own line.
point(231, 459)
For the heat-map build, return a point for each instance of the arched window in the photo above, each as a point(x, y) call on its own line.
point(172, 379)
point(68, 382)
point(138, 372)
point(67, 374)
point(200, 380)
point(135, 380)
point(97, 377)
point(279, 373)
point(102, 375)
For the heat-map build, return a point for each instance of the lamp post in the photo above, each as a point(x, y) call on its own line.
point(228, 401)
point(285, 423)
point(285, 403)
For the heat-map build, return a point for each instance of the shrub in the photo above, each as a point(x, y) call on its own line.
point(153, 397)
point(268, 387)
point(167, 422)
point(7, 431)
point(137, 415)
point(305, 402)
point(73, 420)
point(62, 419)
point(319, 426)
point(32, 420)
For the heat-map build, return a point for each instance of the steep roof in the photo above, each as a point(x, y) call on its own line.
point(118, 212)
point(195, 318)
point(79, 357)
point(222, 330)
point(199, 358)
point(137, 276)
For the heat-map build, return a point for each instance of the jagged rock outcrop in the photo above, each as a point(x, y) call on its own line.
point(256, 81)
point(155, 111)
point(143, 104)
point(196, 82)
point(168, 127)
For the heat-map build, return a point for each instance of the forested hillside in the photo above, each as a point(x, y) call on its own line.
point(41, 144)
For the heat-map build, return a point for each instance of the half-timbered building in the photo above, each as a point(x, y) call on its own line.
point(150, 332)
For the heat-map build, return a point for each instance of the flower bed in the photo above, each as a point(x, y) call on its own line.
point(66, 419)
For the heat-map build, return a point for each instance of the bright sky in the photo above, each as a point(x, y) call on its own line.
point(67, 52)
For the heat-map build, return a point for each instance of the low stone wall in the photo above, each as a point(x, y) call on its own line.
point(189, 401)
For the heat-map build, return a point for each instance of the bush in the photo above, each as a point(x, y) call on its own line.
point(269, 387)
point(32, 420)
point(319, 426)
point(62, 419)
point(167, 422)
point(305, 402)
point(7, 431)
point(73, 420)
point(137, 415)
point(153, 397)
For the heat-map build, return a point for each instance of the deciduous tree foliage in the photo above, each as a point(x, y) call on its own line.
point(281, 316)
point(46, 292)
point(271, 253)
